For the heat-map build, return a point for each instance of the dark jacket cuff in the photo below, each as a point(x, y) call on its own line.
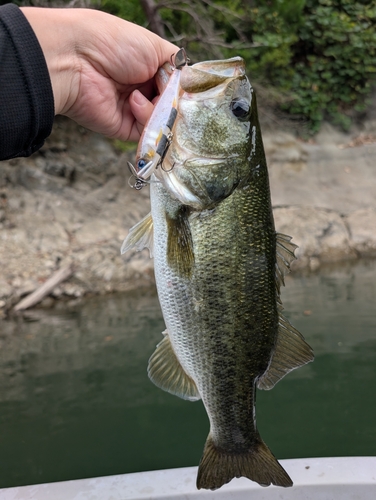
point(26, 98)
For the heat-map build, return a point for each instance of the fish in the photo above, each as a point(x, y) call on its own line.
point(219, 268)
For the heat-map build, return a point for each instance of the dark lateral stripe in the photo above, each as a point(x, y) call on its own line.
point(162, 145)
point(172, 118)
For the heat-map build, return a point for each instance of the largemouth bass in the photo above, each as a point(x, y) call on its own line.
point(219, 266)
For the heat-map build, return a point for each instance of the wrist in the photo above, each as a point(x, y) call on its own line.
point(52, 28)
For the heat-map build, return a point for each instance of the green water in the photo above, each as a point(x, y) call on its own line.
point(75, 400)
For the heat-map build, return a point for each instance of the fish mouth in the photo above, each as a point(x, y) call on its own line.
point(209, 74)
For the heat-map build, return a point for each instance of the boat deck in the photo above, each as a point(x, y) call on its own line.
point(344, 478)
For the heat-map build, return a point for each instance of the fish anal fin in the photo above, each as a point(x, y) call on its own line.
point(140, 236)
point(180, 255)
point(291, 351)
point(285, 255)
point(258, 464)
point(166, 372)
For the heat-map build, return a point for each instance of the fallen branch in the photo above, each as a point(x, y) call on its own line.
point(47, 287)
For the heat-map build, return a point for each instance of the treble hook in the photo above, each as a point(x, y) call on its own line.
point(140, 183)
point(169, 170)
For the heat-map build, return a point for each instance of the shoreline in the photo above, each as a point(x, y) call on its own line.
point(71, 205)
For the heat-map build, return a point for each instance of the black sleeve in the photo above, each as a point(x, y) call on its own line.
point(26, 98)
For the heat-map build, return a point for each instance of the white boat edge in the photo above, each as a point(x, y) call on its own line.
point(334, 478)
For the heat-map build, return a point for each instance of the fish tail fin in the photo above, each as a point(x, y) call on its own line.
point(258, 464)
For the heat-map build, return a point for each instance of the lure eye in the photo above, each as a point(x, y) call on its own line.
point(240, 108)
point(141, 163)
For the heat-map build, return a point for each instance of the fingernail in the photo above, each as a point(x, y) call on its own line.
point(139, 98)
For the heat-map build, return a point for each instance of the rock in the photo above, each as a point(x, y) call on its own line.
point(362, 228)
point(370, 126)
point(5, 289)
point(72, 290)
point(285, 152)
point(35, 179)
point(26, 287)
point(59, 169)
point(330, 136)
point(322, 173)
point(47, 303)
point(57, 292)
point(322, 235)
point(93, 202)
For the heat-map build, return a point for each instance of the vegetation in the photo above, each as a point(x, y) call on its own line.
point(334, 59)
point(319, 54)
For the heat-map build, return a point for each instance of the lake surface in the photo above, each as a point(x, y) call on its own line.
point(75, 399)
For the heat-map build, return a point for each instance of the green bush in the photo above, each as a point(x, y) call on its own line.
point(334, 60)
point(321, 54)
point(130, 10)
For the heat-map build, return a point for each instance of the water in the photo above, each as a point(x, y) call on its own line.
point(75, 400)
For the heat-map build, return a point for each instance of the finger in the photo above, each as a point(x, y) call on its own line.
point(136, 112)
point(140, 107)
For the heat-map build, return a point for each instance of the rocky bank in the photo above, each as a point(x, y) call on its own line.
point(70, 206)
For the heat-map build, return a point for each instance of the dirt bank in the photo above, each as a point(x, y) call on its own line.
point(70, 205)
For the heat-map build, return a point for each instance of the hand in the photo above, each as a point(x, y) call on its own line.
point(101, 67)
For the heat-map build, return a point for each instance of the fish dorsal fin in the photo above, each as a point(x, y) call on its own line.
point(291, 351)
point(166, 372)
point(180, 254)
point(285, 255)
point(140, 236)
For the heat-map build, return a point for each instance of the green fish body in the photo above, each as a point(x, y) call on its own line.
point(219, 265)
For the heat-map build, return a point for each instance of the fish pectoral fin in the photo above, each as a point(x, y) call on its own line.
point(291, 351)
point(166, 372)
point(285, 255)
point(180, 255)
point(140, 236)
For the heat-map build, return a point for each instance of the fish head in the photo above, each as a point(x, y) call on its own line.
point(213, 136)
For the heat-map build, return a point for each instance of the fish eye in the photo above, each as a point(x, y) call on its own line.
point(240, 108)
point(141, 163)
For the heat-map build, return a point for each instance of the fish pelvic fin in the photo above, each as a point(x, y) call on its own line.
point(140, 236)
point(291, 351)
point(166, 372)
point(180, 255)
point(258, 464)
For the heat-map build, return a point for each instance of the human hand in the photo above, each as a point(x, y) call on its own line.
point(101, 67)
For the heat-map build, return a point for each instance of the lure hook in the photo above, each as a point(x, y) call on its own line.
point(169, 170)
point(139, 183)
point(180, 59)
point(168, 143)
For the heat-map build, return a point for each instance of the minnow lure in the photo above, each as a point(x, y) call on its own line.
point(157, 134)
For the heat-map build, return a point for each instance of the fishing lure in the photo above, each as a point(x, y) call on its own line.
point(157, 134)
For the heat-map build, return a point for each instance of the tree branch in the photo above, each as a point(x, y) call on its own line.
point(154, 18)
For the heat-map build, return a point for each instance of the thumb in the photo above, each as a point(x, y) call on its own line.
point(141, 107)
